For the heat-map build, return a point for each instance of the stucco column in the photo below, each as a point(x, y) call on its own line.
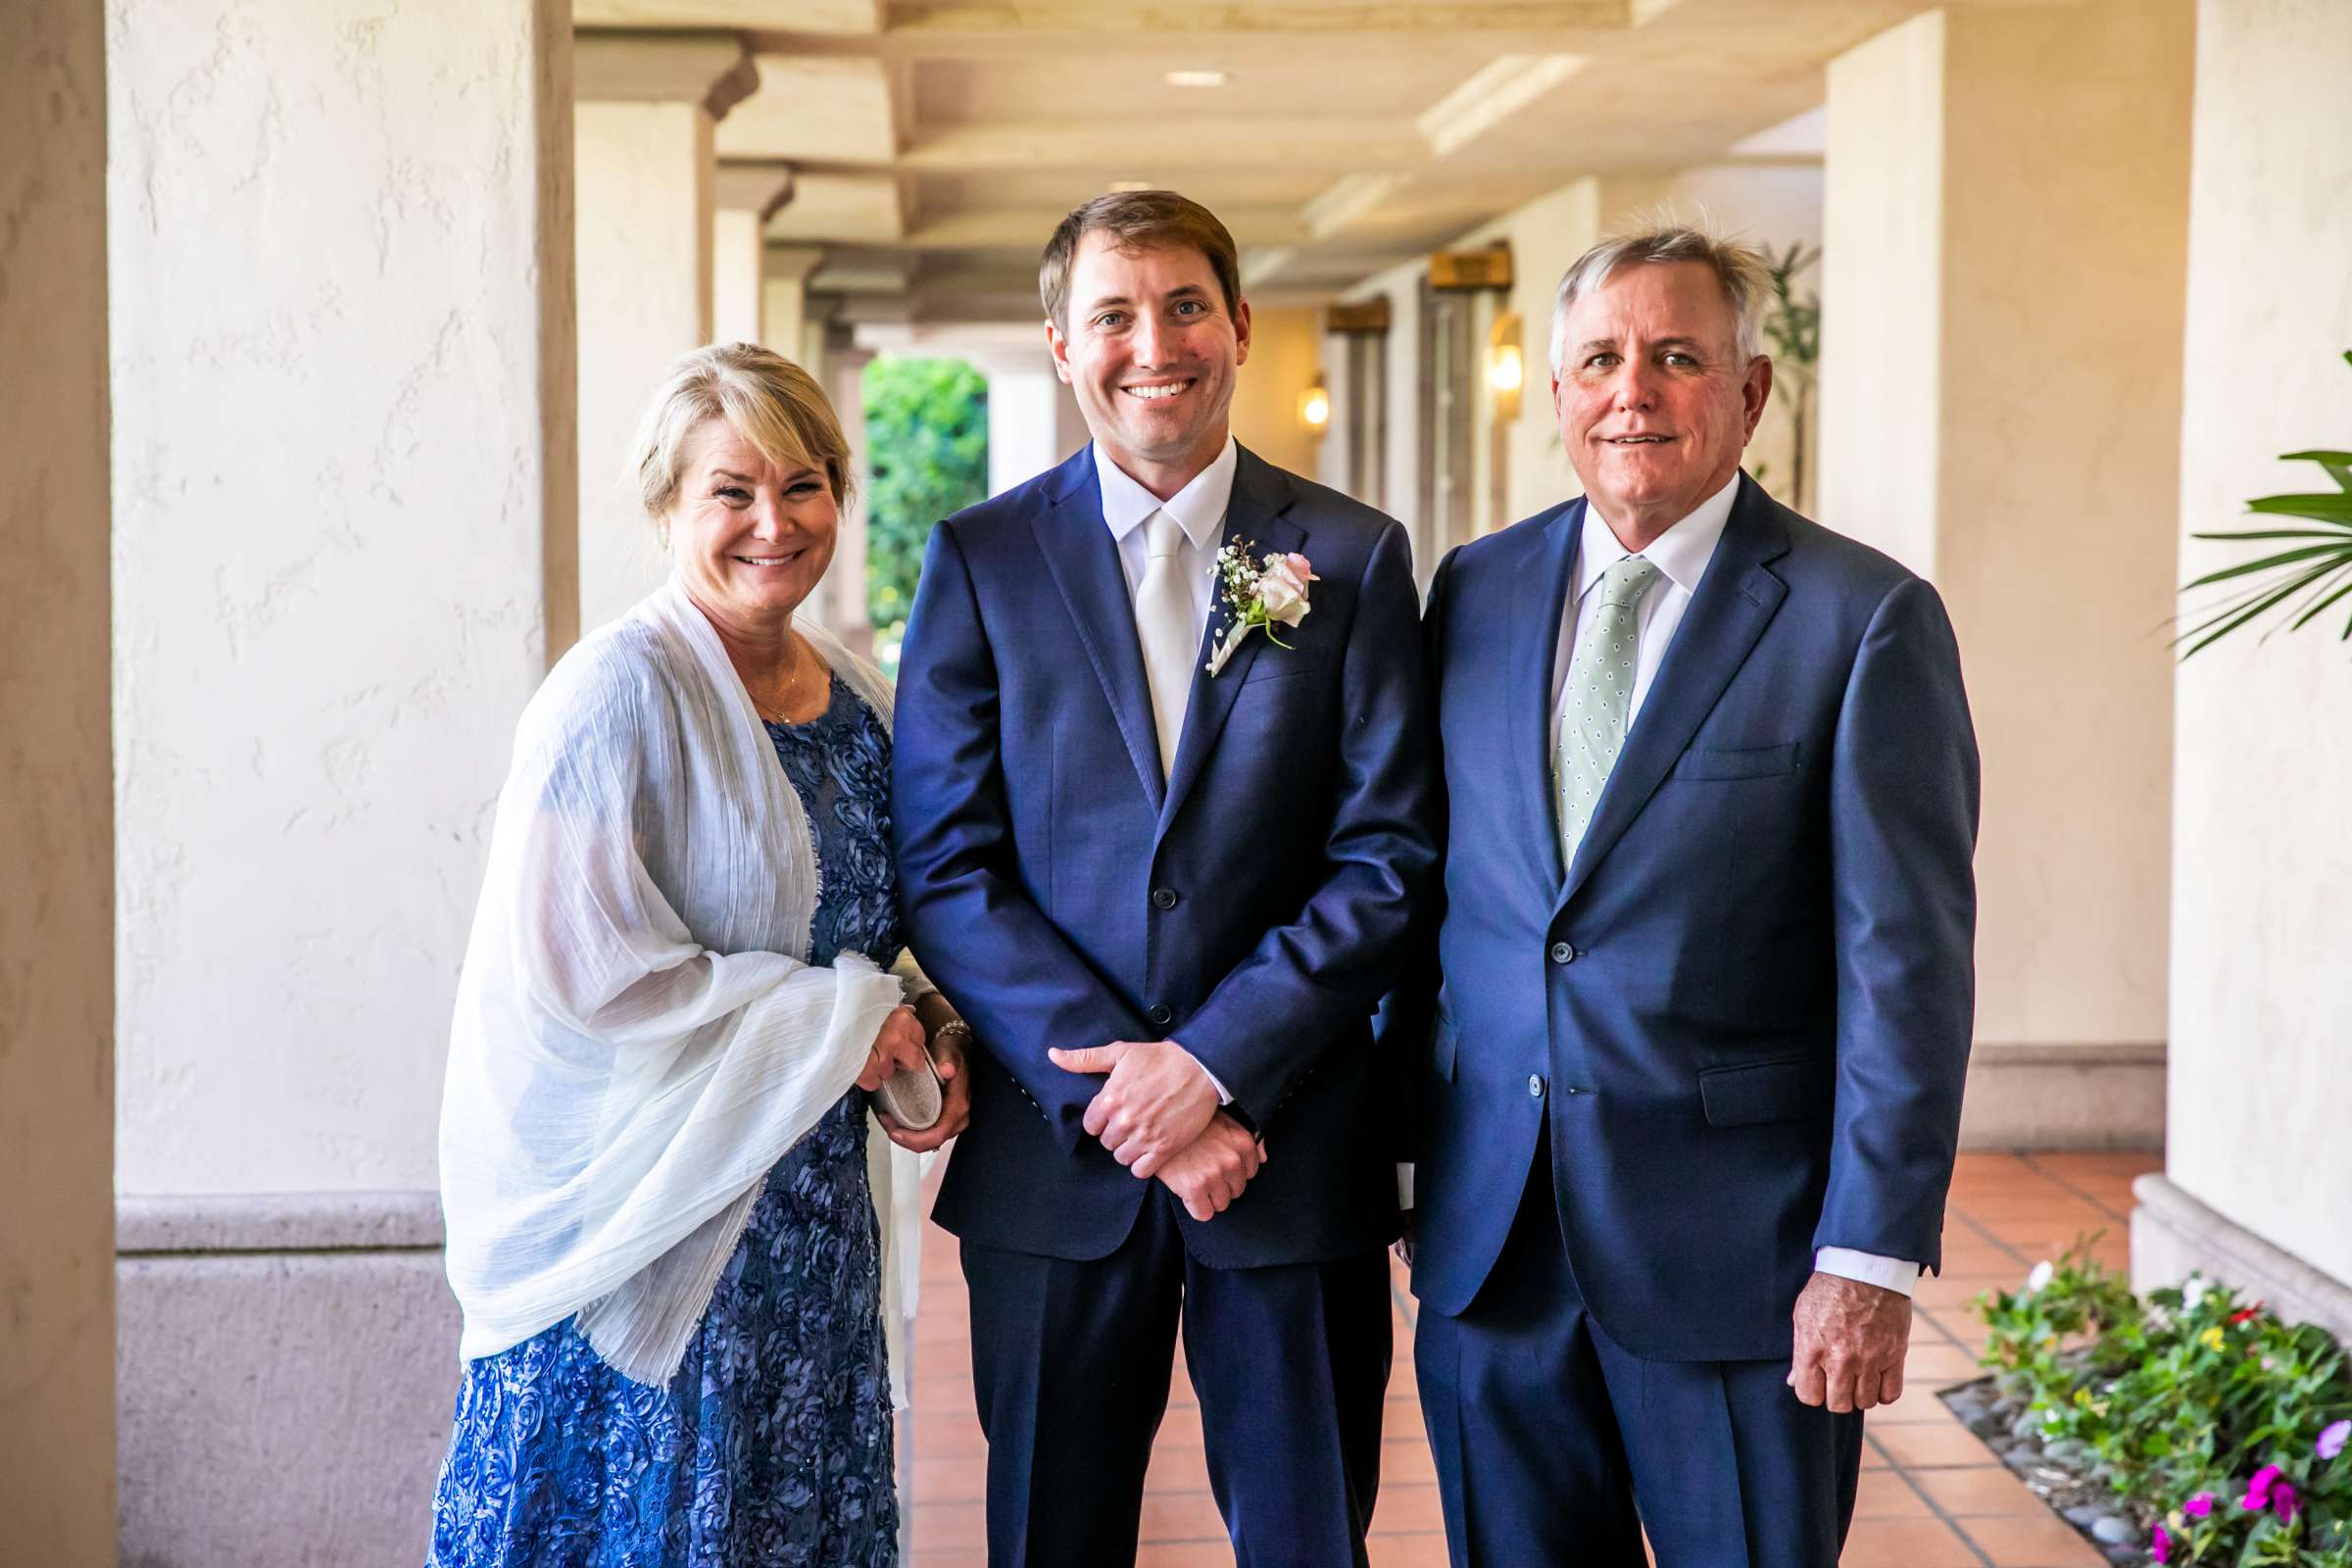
point(1033, 421)
point(746, 196)
point(2261, 987)
point(786, 317)
point(341, 267)
point(843, 370)
point(2001, 410)
point(57, 1070)
point(647, 105)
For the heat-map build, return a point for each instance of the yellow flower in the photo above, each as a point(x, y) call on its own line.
point(2211, 1339)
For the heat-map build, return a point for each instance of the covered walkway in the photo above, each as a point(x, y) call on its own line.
point(1933, 1495)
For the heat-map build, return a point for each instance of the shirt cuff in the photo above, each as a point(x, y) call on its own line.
point(1224, 1095)
point(1404, 1185)
point(1869, 1268)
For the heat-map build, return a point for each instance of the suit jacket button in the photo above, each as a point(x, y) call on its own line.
point(1562, 952)
point(1535, 1086)
point(1161, 1014)
point(1164, 898)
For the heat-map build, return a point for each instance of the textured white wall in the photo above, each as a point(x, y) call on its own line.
point(644, 255)
point(57, 1241)
point(340, 256)
point(2007, 212)
point(2262, 894)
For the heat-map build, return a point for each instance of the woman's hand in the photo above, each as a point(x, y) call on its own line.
point(956, 1088)
point(897, 1046)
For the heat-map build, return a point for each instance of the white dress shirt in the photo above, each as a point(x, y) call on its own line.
point(1682, 553)
point(1200, 511)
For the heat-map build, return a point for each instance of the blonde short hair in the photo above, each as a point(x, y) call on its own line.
point(1741, 269)
point(766, 399)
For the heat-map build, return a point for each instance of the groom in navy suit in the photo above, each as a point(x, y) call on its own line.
point(1693, 1091)
point(1166, 866)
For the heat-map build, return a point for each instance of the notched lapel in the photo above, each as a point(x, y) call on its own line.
point(1736, 600)
point(1084, 559)
point(1257, 513)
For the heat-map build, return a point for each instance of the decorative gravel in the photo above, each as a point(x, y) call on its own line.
point(2058, 1473)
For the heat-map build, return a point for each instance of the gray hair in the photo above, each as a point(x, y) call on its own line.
point(1740, 268)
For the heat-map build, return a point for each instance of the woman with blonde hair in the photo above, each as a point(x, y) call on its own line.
point(678, 994)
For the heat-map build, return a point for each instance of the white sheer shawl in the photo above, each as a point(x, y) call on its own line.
point(639, 1034)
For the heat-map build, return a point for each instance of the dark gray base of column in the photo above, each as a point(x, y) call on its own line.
point(2175, 1234)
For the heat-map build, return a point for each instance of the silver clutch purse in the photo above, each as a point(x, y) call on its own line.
point(912, 1097)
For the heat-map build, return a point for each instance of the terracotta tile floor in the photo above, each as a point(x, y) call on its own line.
point(1931, 1496)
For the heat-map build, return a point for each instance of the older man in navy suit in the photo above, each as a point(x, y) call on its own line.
point(1706, 962)
point(1165, 853)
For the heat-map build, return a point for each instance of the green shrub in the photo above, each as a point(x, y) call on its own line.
point(926, 441)
point(2224, 1425)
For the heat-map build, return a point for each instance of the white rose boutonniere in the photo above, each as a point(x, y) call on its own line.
point(1261, 595)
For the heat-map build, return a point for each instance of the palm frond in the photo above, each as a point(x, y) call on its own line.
point(2319, 572)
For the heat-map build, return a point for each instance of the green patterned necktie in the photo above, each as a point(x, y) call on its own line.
point(1598, 696)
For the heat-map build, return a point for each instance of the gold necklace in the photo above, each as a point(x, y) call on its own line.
point(775, 712)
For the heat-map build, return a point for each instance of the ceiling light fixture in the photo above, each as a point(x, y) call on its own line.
point(1196, 79)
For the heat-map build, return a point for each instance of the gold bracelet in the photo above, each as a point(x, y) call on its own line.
point(953, 1027)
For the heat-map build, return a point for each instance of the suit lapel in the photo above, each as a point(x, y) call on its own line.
point(1538, 622)
point(1736, 600)
point(1257, 512)
point(1084, 559)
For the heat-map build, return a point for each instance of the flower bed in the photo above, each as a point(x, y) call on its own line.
point(2196, 1427)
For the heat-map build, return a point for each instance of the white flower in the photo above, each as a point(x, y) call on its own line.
point(2039, 1280)
point(2192, 1292)
point(1282, 588)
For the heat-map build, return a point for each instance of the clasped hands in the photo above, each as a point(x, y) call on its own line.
point(1157, 1114)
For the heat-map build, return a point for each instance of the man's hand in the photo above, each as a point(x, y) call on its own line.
point(1208, 1174)
point(1156, 1104)
point(1850, 1340)
point(955, 1095)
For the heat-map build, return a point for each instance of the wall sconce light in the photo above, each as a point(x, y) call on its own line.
point(1507, 364)
point(1314, 405)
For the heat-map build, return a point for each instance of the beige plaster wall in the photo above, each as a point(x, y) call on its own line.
point(340, 257)
point(2066, 195)
point(2006, 212)
point(57, 1078)
point(738, 259)
point(1286, 351)
point(2261, 1073)
point(646, 173)
point(1882, 261)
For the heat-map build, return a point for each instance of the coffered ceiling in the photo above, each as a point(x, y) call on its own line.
point(937, 141)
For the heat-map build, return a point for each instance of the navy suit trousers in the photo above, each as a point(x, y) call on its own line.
point(1071, 1364)
point(1556, 1446)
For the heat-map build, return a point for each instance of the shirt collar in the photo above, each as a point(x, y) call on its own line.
point(1198, 508)
point(1682, 552)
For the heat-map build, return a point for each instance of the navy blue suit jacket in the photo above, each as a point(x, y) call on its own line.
point(1253, 905)
point(1748, 1001)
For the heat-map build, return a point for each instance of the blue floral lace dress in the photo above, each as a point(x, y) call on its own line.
point(772, 1448)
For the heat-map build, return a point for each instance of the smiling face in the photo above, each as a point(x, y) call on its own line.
point(749, 537)
point(1151, 348)
point(1654, 398)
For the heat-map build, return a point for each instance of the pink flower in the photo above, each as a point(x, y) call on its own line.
point(2199, 1505)
point(2270, 1489)
point(2331, 1439)
point(2161, 1547)
point(1282, 587)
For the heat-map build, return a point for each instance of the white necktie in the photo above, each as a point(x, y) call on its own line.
point(1163, 624)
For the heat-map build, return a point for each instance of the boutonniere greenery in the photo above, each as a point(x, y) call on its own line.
point(1259, 595)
